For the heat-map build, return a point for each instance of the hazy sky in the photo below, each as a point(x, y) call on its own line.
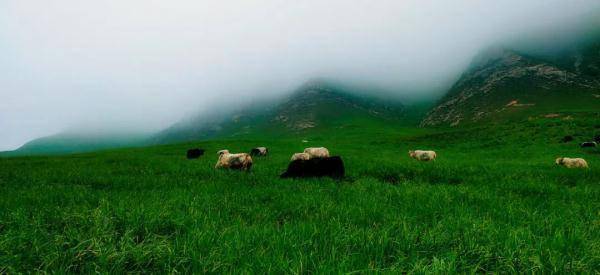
point(144, 64)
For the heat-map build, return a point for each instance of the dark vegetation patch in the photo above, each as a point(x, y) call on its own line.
point(407, 175)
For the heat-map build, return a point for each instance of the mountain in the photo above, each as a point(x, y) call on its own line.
point(502, 84)
point(583, 59)
point(319, 104)
point(316, 105)
point(216, 123)
point(499, 85)
point(77, 142)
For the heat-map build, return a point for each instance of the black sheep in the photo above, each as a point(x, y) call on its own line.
point(588, 144)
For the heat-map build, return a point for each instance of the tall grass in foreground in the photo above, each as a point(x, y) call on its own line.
point(493, 202)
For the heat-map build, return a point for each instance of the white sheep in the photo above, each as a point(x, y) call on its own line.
point(241, 161)
point(572, 162)
point(317, 152)
point(302, 156)
point(422, 155)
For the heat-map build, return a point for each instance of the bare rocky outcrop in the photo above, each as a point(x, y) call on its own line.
point(501, 82)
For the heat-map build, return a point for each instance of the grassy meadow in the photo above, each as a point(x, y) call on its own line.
point(494, 201)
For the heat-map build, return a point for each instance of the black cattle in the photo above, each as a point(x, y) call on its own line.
point(315, 167)
point(567, 139)
point(588, 144)
point(194, 153)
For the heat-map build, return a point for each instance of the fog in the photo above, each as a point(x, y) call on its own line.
point(141, 65)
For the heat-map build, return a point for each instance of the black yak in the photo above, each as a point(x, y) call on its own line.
point(315, 167)
point(194, 153)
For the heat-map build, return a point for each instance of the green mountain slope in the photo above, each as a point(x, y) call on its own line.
point(73, 142)
point(503, 84)
point(315, 106)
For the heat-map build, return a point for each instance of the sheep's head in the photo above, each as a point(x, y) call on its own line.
point(559, 161)
point(411, 153)
point(222, 152)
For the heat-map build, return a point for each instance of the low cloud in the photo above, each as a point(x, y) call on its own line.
point(142, 65)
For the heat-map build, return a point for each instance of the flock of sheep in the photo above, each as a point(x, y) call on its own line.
point(316, 161)
point(312, 162)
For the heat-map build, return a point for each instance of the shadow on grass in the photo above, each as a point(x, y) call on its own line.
point(401, 175)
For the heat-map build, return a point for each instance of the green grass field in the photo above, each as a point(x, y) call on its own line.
point(494, 201)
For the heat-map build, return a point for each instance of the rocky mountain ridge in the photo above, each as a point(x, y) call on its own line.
point(504, 82)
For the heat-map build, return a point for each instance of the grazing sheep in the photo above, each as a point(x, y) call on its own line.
point(317, 152)
point(259, 151)
point(241, 161)
point(422, 155)
point(572, 162)
point(195, 153)
point(302, 156)
point(224, 151)
point(315, 167)
point(588, 144)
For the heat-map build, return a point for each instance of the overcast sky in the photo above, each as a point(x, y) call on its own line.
point(144, 64)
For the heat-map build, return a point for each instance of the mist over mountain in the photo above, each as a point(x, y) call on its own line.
point(105, 63)
point(316, 105)
point(498, 84)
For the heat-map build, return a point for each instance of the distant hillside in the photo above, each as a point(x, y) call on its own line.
point(584, 59)
point(503, 84)
point(320, 105)
point(314, 106)
point(217, 123)
point(72, 142)
point(317, 105)
point(500, 85)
